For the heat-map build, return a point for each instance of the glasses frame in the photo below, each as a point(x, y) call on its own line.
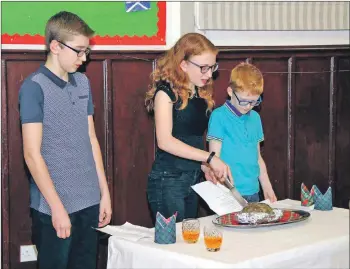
point(213, 68)
point(247, 102)
point(80, 53)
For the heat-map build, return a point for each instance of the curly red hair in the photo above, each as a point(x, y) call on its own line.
point(168, 69)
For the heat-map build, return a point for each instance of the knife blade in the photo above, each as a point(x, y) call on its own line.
point(235, 193)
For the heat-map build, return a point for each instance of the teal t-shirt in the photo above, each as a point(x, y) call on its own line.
point(240, 135)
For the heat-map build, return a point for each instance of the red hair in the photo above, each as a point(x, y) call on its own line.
point(168, 69)
point(246, 77)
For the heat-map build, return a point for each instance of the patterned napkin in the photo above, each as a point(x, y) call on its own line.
point(307, 197)
point(323, 201)
point(165, 229)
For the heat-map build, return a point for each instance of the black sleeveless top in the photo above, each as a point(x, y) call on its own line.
point(189, 125)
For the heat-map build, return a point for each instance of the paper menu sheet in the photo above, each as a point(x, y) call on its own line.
point(218, 197)
point(128, 231)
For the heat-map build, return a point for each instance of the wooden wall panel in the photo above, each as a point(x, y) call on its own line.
point(19, 221)
point(95, 73)
point(133, 138)
point(342, 129)
point(5, 197)
point(305, 113)
point(273, 115)
point(312, 119)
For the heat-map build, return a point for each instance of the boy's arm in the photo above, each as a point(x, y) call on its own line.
point(32, 137)
point(105, 204)
point(264, 179)
point(215, 145)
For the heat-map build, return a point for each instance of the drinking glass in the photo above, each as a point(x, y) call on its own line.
point(190, 230)
point(212, 238)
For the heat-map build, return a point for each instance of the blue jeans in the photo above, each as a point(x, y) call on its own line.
point(170, 192)
point(254, 198)
point(77, 251)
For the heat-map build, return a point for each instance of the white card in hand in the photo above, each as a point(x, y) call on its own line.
point(218, 197)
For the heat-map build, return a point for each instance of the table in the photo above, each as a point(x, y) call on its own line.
point(322, 241)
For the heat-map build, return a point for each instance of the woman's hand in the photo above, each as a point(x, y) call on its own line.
point(220, 169)
point(209, 173)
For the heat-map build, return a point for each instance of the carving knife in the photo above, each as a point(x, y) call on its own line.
point(235, 193)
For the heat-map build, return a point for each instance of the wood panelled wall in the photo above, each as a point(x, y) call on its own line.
point(305, 112)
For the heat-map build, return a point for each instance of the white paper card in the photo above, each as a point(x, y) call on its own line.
point(128, 231)
point(218, 197)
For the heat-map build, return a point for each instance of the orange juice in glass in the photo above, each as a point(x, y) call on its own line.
point(190, 230)
point(212, 238)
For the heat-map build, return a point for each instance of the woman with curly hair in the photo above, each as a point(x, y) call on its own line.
point(180, 96)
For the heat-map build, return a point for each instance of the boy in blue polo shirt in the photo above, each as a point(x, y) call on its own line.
point(69, 194)
point(235, 132)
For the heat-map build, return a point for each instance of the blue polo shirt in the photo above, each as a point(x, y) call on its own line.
point(240, 135)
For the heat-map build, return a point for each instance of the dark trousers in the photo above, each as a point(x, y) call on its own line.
point(77, 251)
point(170, 192)
point(254, 198)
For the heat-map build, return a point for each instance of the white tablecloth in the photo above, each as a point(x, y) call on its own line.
point(322, 241)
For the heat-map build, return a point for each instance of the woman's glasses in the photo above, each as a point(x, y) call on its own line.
point(205, 68)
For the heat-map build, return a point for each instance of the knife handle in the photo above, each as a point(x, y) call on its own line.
point(228, 183)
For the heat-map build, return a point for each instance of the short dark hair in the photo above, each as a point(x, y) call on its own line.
point(63, 25)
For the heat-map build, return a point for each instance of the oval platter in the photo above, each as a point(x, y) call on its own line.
point(289, 216)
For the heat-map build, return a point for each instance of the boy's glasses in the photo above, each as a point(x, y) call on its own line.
point(80, 53)
point(206, 68)
point(246, 102)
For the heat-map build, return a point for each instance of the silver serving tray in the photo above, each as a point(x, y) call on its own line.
point(289, 216)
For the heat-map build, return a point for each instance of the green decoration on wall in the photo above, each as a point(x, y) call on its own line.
point(105, 18)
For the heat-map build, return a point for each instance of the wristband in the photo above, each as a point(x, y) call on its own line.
point(212, 154)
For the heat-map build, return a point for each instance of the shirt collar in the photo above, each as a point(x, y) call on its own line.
point(55, 79)
point(234, 110)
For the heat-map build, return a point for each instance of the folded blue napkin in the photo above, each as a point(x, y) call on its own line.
point(323, 201)
point(165, 229)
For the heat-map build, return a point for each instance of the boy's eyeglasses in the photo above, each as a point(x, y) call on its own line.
point(80, 53)
point(206, 68)
point(246, 102)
